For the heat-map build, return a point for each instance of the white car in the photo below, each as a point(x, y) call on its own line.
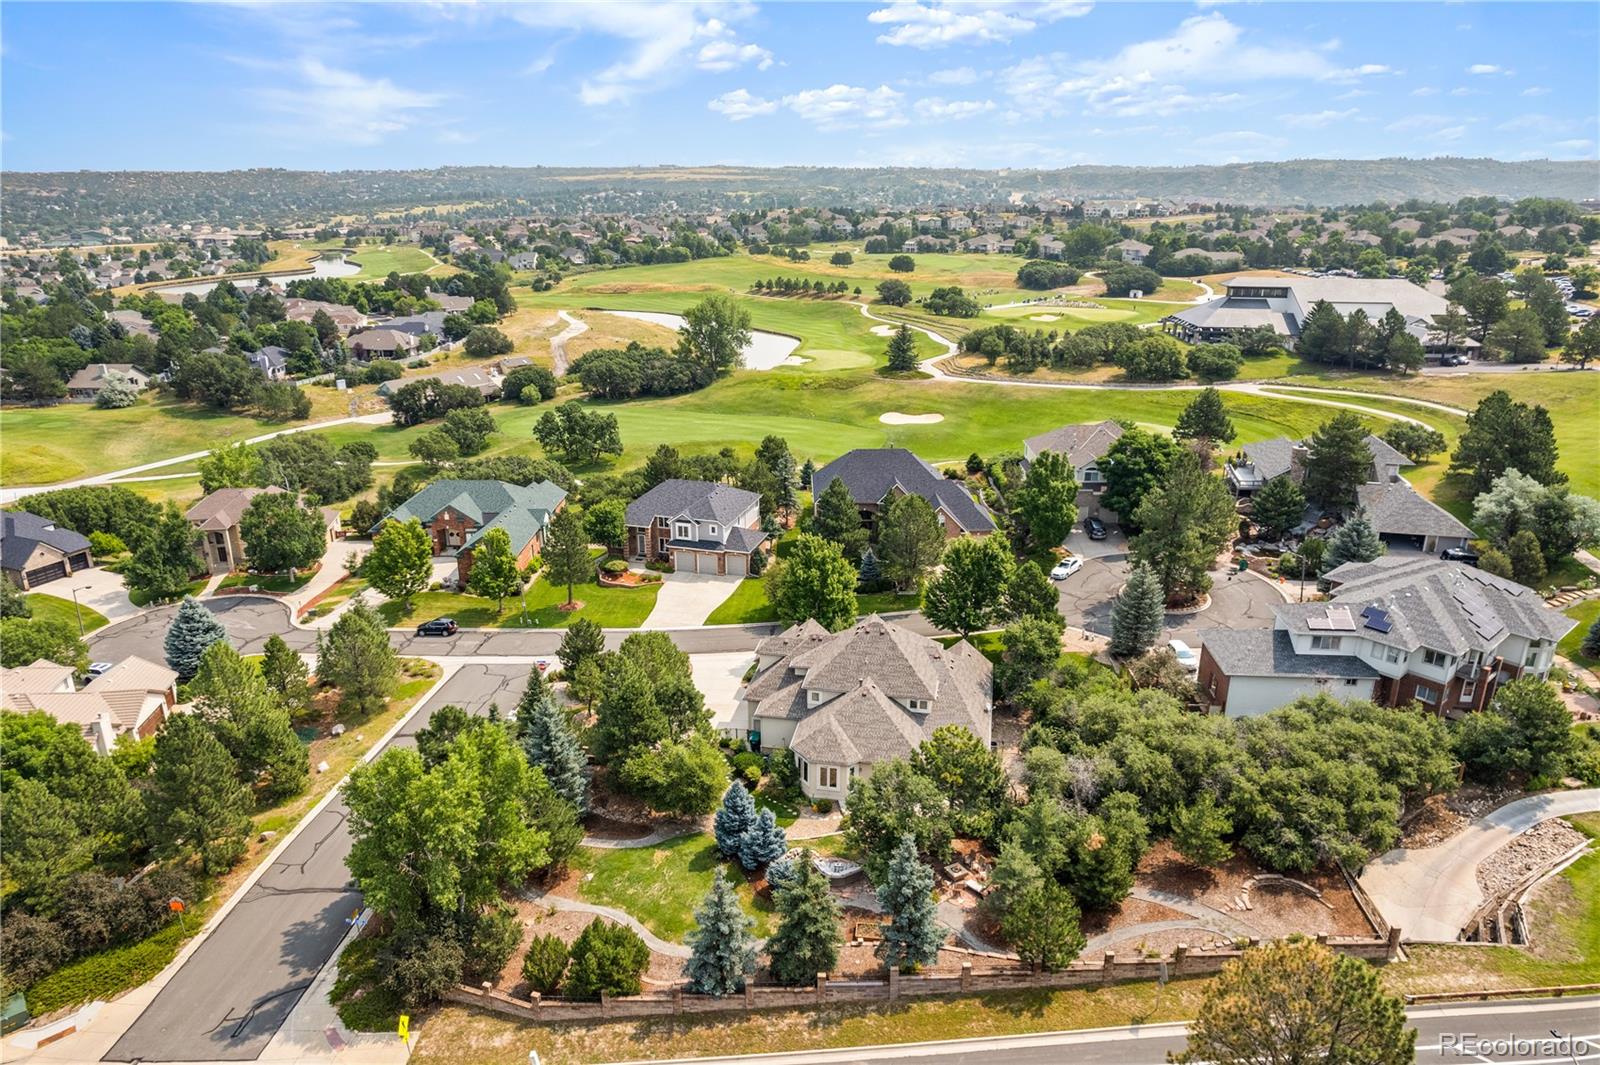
point(1188, 658)
point(1066, 568)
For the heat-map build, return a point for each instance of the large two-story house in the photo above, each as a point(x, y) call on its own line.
point(1282, 304)
point(698, 526)
point(457, 514)
point(1083, 445)
point(1395, 630)
point(878, 476)
point(845, 701)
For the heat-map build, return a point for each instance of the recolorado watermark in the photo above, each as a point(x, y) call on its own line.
point(1470, 1044)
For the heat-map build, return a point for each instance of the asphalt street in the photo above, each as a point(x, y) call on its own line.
point(1548, 1032)
point(234, 992)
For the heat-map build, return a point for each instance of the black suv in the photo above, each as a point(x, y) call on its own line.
point(437, 627)
point(1459, 554)
point(1095, 528)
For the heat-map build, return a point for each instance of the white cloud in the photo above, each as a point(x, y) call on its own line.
point(953, 76)
point(1317, 119)
point(1536, 90)
point(1355, 94)
point(1448, 134)
point(937, 24)
point(933, 107)
point(1418, 123)
point(1247, 139)
point(1548, 125)
point(1488, 68)
point(848, 107)
point(1426, 90)
point(719, 56)
point(1153, 77)
point(739, 105)
point(1579, 146)
point(344, 106)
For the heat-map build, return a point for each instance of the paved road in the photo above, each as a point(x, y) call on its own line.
point(234, 992)
point(1441, 1031)
point(1429, 893)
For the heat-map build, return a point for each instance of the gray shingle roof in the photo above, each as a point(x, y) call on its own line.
point(522, 512)
point(1081, 444)
point(223, 508)
point(700, 500)
point(21, 532)
point(872, 473)
point(1394, 507)
point(1270, 653)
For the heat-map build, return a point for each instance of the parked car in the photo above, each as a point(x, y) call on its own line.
point(437, 627)
point(1066, 568)
point(1188, 658)
point(97, 669)
point(1459, 554)
point(1454, 360)
point(1095, 528)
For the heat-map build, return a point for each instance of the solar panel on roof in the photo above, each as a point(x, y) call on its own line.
point(1376, 619)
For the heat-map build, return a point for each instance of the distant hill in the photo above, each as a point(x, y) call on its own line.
point(68, 204)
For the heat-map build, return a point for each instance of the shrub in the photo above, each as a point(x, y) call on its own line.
point(616, 566)
point(30, 949)
point(105, 545)
point(747, 763)
point(380, 370)
point(545, 965)
point(420, 966)
point(606, 959)
point(495, 935)
point(823, 806)
point(100, 976)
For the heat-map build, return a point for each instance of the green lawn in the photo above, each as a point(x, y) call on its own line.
point(1585, 614)
point(990, 644)
point(192, 588)
point(611, 608)
point(275, 582)
point(662, 885)
point(377, 261)
point(748, 605)
point(54, 608)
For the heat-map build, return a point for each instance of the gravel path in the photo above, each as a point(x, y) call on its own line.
point(558, 343)
point(653, 941)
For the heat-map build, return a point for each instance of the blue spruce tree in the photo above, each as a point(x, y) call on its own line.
point(193, 629)
point(737, 814)
point(724, 950)
point(762, 842)
point(913, 936)
point(549, 743)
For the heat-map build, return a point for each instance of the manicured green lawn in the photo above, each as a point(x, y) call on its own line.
point(748, 605)
point(785, 814)
point(662, 885)
point(192, 588)
point(1584, 613)
point(54, 608)
point(611, 608)
point(990, 644)
point(274, 582)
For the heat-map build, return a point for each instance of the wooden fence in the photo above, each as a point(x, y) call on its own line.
point(1110, 969)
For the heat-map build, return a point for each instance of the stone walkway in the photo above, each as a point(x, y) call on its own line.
point(655, 942)
point(1219, 922)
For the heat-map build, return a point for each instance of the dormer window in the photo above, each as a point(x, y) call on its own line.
point(919, 705)
point(813, 697)
point(683, 530)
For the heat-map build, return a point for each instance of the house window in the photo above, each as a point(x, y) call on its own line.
point(805, 770)
point(711, 530)
point(684, 531)
point(1435, 658)
point(1391, 654)
point(917, 704)
point(1325, 643)
point(813, 697)
point(1469, 689)
point(1531, 659)
point(1427, 694)
point(1351, 682)
point(828, 776)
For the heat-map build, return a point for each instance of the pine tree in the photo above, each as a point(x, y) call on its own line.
point(869, 571)
point(836, 518)
point(724, 950)
point(1527, 561)
point(808, 470)
point(762, 842)
point(285, 673)
point(737, 814)
point(196, 802)
point(583, 640)
point(902, 351)
point(913, 936)
point(566, 551)
point(549, 743)
point(1278, 506)
point(193, 629)
point(1338, 461)
point(1354, 541)
point(1042, 923)
point(355, 656)
point(1138, 614)
point(807, 940)
point(1590, 648)
point(1205, 418)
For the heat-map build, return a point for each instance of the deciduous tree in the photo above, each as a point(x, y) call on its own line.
point(280, 534)
point(1047, 500)
point(1184, 524)
point(813, 581)
point(965, 595)
point(400, 563)
point(494, 574)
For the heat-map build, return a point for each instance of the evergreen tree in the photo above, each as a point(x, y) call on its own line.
point(724, 951)
point(869, 571)
point(1338, 461)
point(808, 470)
point(735, 817)
point(196, 802)
point(807, 939)
point(1205, 418)
point(1502, 435)
point(1590, 648)
point(582, 641)
point(13, 604)
point(1527, 561)
point(354, 656)
point(902, 350)
point(606, 959)
point(1138, 614)
point(549, 743)
point(763, 842)
point(913, 936)
point(494, 574)
point(193, 629)
point(285, 673)
point(1278, 506)
point(1200, 830)
point(1041, 921)
point(628, 717)
point(253, 725)
point(838, 519)
point(566, 550)
point(1184, 524)
point(1354, 541)
point(910, 540)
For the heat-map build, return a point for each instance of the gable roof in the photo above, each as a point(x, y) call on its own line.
point(521, 511)
point(1081, 444)
point(1397, 508)
point(96, 374)
point(872, 473)
point(1271, 653)
point(223, 508)
point(698, 500)
point(21, 533)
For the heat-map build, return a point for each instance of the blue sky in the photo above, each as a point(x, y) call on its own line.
point(331, 86)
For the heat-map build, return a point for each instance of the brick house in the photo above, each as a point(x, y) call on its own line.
point(457, 513)
point(698, 526)
point(877, 477)
point(35, 551)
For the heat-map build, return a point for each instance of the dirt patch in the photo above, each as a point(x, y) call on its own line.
point(1535, 849)
point(1432, 824)
point(1276, 909)
point(540, 920)
point(1131, 912)
point(894, 417)
point(608, 828)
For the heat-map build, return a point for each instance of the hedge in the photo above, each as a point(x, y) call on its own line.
point(99, 976)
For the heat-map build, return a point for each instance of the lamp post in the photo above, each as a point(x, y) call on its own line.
point(78, 608)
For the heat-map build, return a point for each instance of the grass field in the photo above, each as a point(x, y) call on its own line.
point(54, 608)
point(377, 261)
point(612, 608)
point(749, 605)
point(1584, 614)
point(662, 885)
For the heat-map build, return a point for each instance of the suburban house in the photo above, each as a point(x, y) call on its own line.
point(845, 701)
point(483, 382)
point(35, 551)
point(1132, 251)
point(1282, 303)
point(1399, 629)
point(1260, 462)
point(216, 519)
point(524, 260)
point(458, 513)
point(878, 476)
point(1403, 517)
point(86, 384)
point(698, 526)
point(382, 344)
point(272, 361)
point(346, 318)
point(1083, 445)
point(133, 323)
point(133, 696)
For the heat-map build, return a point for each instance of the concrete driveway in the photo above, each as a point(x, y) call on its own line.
point(1431, 892)
point(720, 677)
point(98, 589)
point(687, 599)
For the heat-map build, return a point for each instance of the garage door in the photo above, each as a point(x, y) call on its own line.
point(736, 564)
point(54, 571)
point(703, 563)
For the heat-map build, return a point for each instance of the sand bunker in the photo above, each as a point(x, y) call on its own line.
point(894, 417)
point(883, 330)
point(1044, 318)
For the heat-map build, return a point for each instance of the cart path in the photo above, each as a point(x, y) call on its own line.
point(558, 343)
